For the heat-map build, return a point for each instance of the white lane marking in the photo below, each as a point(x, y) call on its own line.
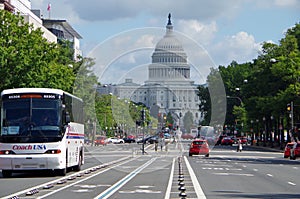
point(246, 152)
point(270, 175)
point(242, 157)
point(56, 180)
point(216, 165)
point(291, 183)
point(140, 191)
point(197, 187)
point(255, 169)
point(234, 174)
point(144, 186)
point(168, 191)
point(84, 179)
point(108, 192)
point(81, 190)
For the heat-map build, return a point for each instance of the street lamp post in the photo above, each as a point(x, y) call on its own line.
point(241, 104)
point(281, 132)
point(272, 131)
point(235, 97)
point(252, 132)
point(265, 129)
point(257, 131)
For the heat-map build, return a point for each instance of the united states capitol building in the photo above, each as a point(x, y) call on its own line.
point(169, 88)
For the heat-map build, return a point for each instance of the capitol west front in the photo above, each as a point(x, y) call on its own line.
point(169, 88)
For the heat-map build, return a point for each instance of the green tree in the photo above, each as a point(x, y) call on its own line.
point(85, 86)
point(204, 104)
point(29, 60)
point(188, 121)
point(170, 120)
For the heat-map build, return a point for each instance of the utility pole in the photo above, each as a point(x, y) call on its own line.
point(290, 108)
point(143, 118)
point(292, 114)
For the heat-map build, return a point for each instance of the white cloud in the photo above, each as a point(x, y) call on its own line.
point(197, 19)
point(200, 32)
point(146, 41)
point(287, 3)
point(108, 10)
point(240, 47)
point(274, 3)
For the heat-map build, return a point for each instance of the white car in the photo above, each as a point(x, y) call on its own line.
point(115, 140)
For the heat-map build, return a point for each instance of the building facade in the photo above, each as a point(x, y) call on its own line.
point(53, 30)
point(24, 8)
point(64, 31)
point(169, 88)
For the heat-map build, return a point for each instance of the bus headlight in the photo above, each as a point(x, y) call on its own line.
point(6, 152)
point(53, 151)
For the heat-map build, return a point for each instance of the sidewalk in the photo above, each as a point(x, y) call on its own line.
point(269, 148)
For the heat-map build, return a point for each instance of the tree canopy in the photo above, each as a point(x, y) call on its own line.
point(27, 59)
point(266, 85)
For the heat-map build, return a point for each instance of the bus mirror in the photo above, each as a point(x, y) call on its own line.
point(68, 118)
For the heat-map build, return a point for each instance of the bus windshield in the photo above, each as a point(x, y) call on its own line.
point(31, 120)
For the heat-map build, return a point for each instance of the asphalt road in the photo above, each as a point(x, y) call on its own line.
point(122, 171)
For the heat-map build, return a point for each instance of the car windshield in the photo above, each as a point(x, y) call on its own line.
point(199, 142)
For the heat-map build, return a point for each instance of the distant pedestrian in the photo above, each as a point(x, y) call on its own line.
point(239, 146)
point(155, 145)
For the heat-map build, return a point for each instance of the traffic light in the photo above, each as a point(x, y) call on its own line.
point(288, 107)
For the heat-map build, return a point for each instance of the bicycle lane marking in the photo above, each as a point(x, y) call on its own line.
point(197, 187)
point(108, 192)
point(87, 178)
point(168, 192)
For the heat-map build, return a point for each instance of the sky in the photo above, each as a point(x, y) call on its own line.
point(121, 35)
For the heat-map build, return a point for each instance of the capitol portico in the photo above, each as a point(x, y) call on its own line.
point(169, 88)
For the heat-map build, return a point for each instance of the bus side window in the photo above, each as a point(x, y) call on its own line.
point(67, 117)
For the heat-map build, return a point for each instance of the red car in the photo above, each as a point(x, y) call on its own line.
point(187, 136)
point(100, 140)
point(199, 147)
point(287, 149)
point(295, 151)
point(243, 140)
point(227, 141)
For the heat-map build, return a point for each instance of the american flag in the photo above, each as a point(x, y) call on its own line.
point(49, 7)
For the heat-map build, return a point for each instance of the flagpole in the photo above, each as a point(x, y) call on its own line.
point(49, 10)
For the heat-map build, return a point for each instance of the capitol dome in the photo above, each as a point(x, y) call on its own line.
point(169, 61)
point(169, 43)
point(169, 49)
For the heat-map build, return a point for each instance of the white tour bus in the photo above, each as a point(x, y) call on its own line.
point(41, 129)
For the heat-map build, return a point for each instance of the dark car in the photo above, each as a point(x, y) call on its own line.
point(129, 140)
point(199, 147)
point(87, 141)
point(153, 139)
point(145, 140)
